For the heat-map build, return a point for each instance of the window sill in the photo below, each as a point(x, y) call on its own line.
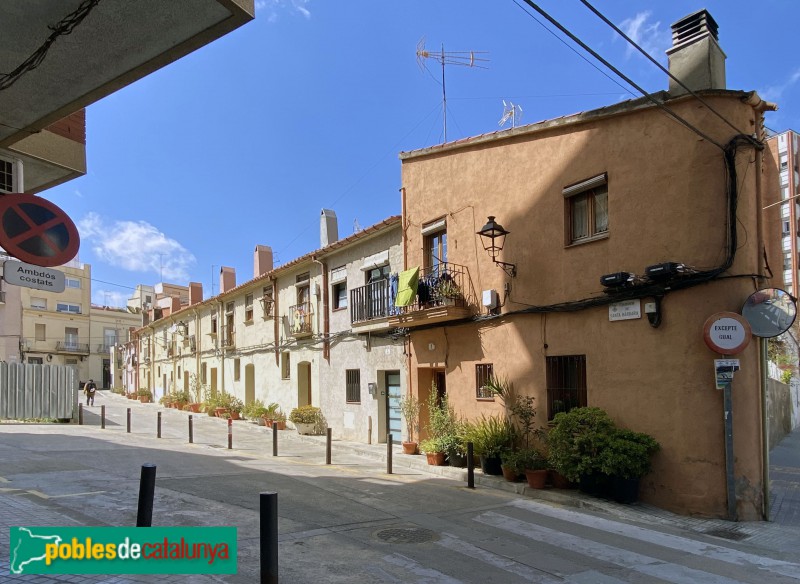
point(353, 403)
point(340, 309)
point(587, 240)
point(485, 399)
point(248, 322)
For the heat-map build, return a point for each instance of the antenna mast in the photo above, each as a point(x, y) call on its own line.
point(463, 58)
point(511, 112)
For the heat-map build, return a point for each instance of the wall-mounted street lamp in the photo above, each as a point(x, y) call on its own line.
point(494, 237)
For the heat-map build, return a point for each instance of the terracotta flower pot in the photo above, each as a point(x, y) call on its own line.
point(435, 458)
point(280, 423)
point(510, 473)
point(409, 447)
point(220, 411)
point(194, 407)
point(537, 479)
point(559, 481)
point(144, 399)
point(234, 415)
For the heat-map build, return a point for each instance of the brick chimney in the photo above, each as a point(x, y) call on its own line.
point(195, 293)
point(696, 57)
point(328, 228)
point(227, 279)
point(262, 260)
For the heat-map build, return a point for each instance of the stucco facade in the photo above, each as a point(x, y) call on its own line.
point(667, 201)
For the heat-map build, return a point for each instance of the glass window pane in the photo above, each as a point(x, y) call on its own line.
point(601, 211)
point(580, 217)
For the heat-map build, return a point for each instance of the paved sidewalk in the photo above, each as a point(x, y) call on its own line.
point(253, 443)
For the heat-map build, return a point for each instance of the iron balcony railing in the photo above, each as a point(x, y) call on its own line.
point(371, 302)
point(442, 285)
point(72, 347)
point(104, 348)
point(300, 321)
point(228, 337)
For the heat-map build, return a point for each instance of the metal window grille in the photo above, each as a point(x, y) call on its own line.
point(566, 384)
point(353, 379)
point(483, 373)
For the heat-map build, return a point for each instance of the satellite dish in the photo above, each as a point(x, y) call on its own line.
point(770, 312)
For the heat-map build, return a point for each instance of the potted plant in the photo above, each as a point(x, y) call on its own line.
point(180, 399)
point(534, 463)
point(626, 458)
point(410, 406)
point(575, 443)
point(511, 464)
point(166, 400)
point(306, 419)
point(253, 411)
point(235, 406)
point(279, 420)
point(490, 436)
point(145, 396)
point(198, 391)
point(447, 290)
point(434, 451)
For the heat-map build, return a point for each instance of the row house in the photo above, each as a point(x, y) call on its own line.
point(285, 336)
point(670, 217)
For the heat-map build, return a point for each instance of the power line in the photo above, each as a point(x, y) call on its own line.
point(621, 75)
point(659, 65)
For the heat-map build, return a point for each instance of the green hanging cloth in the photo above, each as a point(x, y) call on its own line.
point(407, 287)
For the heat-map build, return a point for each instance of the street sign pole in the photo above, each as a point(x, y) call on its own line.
point(729, 477)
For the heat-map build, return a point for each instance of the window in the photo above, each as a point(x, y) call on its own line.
point(35, 360)
point(40, 332)
point(786, 225)
point(377, 274)
point(148, 299)
point(483, 373)
point(66, 307)
point(203, 373)
point(787, 261)
point(179, 371)
point(248, 308)
point(353, 382)
point(566, 384)
point(340, 295)
point(109, 338)
point(285, 366)
point(587, 209)
point(72, 282)
point(39, 303)
point(434, 242)
point(237, 369)
point(303, 289)
point(214, 324)
point(6, 176)
point(70, 338)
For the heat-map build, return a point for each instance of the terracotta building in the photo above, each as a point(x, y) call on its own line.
point(622, 189)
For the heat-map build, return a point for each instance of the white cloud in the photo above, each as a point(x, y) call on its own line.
point(110, 298)
point(775, 92)
point(649, 35)
point(274, 7)
point(136, 246)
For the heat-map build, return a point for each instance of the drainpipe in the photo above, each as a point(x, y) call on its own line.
point(326, 322)
point(407, 340)
point(276, 325)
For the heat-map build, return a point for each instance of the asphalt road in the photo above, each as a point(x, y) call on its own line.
point(349, 522)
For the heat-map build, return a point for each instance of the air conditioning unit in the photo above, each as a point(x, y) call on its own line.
point(11, 177)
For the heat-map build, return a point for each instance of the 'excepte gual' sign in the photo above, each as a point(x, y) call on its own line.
point(30, 276)
point(727, 333)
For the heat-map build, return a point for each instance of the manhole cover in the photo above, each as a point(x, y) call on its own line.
point(727, 534)
point(407, 535)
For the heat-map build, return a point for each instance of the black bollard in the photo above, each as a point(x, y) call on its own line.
point(129, 421)
point(191, 430)
point(274, 439)
point(230, 434)
point(389, 454)
point(158, 426)
point(269, 537)
point(103, 417)
point(80, 414)
point(147, 488)
point(470, 467)
point(328, 446)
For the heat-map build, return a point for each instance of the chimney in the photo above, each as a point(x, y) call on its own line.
point(195, 293)
point(328, 228)
point(176, 305)
point(695, 57)
point(262, 260)
point(227, 279)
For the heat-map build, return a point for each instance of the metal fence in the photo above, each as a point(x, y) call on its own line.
point(30, 391)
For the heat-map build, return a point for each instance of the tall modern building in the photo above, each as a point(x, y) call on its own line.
point(782, 208)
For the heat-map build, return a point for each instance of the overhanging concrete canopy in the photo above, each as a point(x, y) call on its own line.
point(118, 42)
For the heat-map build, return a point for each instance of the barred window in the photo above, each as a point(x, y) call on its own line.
point(566, 384)
point(353, 381)
point(483, 373)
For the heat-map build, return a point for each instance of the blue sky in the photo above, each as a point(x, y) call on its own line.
point(307, 107)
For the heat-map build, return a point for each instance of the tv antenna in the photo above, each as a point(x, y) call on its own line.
point(463, 58)
point(510, 112)
point(356, 226)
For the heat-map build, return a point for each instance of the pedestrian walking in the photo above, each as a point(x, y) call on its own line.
point(89, 389)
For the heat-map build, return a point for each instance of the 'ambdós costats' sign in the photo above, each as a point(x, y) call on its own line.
point(726, 333)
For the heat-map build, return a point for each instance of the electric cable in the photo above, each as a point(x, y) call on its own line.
point(659, 65)
point(619, 73)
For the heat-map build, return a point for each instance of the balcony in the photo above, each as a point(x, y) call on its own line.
point(104, 348)
point(444, 293)
point(267, 306)
point(72, 347)
point(228, 337)
point(300, 320)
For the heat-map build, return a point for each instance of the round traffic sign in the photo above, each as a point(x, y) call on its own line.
point(37, 231)
point(726, 333)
